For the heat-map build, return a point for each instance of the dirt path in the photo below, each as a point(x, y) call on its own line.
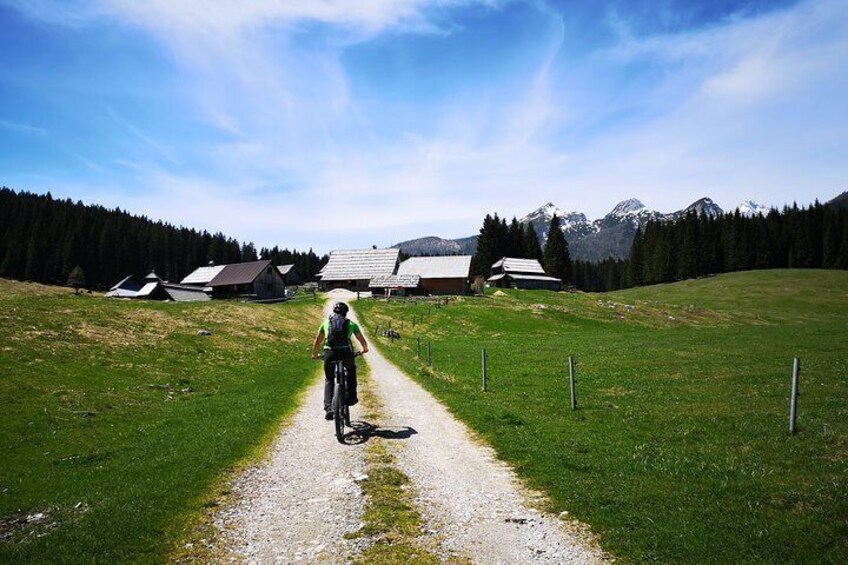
point(298, 506)
point(473, 502)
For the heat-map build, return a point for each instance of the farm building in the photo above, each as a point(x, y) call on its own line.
point(256, 280)
point(202, 275)
point(522, 273)
point(395, 285)
point(291, 276)
point(353, 269)
point(440, 275)
point(154, 288)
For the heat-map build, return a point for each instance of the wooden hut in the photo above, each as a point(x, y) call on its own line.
point(511, 272)
point(440, 275)
point(353, 269)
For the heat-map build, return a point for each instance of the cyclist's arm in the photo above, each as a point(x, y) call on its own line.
point(316, 345)
point(361, 339)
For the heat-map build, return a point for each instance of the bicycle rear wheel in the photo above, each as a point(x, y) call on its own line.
point(338, 412)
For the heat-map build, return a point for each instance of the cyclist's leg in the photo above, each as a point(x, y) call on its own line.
point(350, 365)
point(328, 380)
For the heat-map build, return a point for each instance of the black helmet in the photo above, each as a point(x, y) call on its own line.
point(340, 308)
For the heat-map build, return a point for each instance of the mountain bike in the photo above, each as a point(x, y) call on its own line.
point(341, 411)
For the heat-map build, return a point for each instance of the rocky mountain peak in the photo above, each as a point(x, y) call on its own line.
point(750, 208)
point(627, 207)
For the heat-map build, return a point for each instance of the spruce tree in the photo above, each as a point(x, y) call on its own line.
point(557, 260)
point(515, 239)
point(532, 248)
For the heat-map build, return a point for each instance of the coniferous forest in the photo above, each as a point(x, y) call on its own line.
point(43, 239)
point(697, 245)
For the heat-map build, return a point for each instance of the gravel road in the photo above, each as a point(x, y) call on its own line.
point(299, 504)
point(473, 503)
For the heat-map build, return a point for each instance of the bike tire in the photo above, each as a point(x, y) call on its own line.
point(338, 412)
point(347, 415)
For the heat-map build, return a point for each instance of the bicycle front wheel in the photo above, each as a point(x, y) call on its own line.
point(339, 412)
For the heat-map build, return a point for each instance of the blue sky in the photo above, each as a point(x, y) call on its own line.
point(339, 123)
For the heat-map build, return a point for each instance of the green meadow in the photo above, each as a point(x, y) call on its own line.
point(119, 421)
point(679, 451)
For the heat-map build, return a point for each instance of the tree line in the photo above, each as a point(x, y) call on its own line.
point(497, 239)
point(690, 246)
point(694, 245)
point(43, 239)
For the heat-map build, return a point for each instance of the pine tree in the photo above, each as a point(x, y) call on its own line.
point(557, 260)
point(515, 239)
point(532, 248)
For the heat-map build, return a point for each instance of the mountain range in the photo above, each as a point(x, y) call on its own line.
point(610, 236)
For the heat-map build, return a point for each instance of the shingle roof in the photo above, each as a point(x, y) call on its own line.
point(448, 267)
point(181, 293)
point(354, 264)
point(514, 265)
point(395, 281)
point(240, 273)
point(203, 275)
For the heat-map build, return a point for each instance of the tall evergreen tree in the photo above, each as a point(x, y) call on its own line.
point(557, 260)
point(532, 248)
point(515, 237)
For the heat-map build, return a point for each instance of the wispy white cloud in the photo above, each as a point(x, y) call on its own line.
point(744, 108)
point(21, 127)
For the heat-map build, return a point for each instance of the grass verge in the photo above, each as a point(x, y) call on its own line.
point(679, 451)
point(391, 521)
point(120, 420)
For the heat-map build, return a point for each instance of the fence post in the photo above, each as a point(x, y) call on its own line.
point(483, 360)
point(793, 399)
point(429, 355)
point(571, 379)
point(418, 349)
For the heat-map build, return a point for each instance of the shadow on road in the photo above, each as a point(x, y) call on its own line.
point(363, 431)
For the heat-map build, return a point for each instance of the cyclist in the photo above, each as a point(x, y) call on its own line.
point(335, 333)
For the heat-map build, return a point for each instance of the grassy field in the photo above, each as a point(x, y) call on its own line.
point(679, 452)
point(118, 419)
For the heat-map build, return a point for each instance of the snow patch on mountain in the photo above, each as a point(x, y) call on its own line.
point(749, 208)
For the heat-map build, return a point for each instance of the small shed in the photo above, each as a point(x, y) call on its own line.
point(394, 285)
point(440, 275)
point(512, 272)
point(291, 275)
point(257, 280)
point(353, 269)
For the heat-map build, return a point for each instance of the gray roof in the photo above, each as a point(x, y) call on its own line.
point(356, 264)
point(284, 269)
point(447, 267)
point(130, 283)
point(240, 273)
point(533, 277)
point(515, 265)
point(203, 275)
point(148, 289)
point(181, 293)
point(121, 293)
point(395, 281)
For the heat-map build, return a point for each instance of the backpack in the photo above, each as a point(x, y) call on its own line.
point(337, 332)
